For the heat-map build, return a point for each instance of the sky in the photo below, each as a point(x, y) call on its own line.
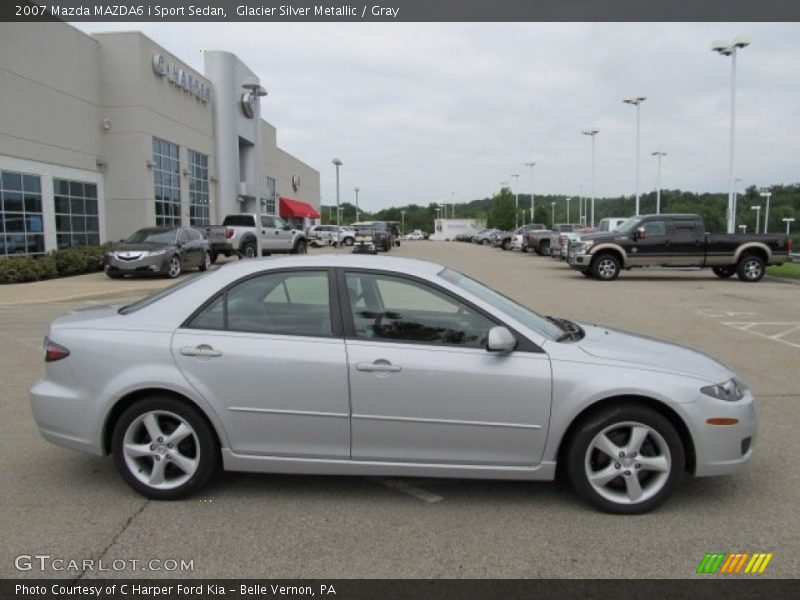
point(433, 112)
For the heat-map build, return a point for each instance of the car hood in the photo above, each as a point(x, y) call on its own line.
point(125, 247)
point(651, 353)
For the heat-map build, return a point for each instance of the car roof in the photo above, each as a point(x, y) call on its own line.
point(405, 265)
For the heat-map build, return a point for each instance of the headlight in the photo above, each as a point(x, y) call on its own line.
point(587, 245)
point(731, 390)
point(157, 252)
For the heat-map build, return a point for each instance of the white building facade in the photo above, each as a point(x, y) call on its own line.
point(101, 135)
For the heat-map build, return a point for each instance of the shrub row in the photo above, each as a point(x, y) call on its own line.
point(59, 263)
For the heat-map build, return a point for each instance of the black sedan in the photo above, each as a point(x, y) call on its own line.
point(159, 250)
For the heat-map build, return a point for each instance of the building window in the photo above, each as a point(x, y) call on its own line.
point(272, 196)
point(198, 189)
point(77, 223)
point(167, 174)
point(21, 222)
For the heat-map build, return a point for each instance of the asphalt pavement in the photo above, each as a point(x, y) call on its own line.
point(70, 506)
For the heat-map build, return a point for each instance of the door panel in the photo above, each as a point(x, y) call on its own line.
point(687, 242)
point(652, 249)
point(448, 405)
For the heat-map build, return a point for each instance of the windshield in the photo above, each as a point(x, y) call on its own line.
point(505, 305)
point(153, 236)
point(628, 225)
point(148, 300)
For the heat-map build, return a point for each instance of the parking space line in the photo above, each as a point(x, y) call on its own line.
point(407, 488)
point(753, 328)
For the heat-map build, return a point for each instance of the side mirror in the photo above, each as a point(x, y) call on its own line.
point(639, 234)
point(500, 340)
point(287, 227)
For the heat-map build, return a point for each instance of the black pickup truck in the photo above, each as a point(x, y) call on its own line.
point(676, 240)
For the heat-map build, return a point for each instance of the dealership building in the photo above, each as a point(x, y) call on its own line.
point(104, 134)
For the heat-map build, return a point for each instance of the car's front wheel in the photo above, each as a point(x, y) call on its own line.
point(164, 449)
point(300, 247)
point(605, 267)
point(174, 267)
point(206, 265)
point(625, 459)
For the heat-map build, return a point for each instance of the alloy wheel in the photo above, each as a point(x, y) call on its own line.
point(628, 463)
point(174, 267)
point(161, 449)
point(752, 269)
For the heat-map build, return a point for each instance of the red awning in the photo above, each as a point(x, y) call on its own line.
point(296, 208)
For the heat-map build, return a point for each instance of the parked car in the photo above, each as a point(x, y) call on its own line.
point(677, 240)
point(331, 235)
point(518, 239)
point(570, 237)
point(158, 250)
point(173, 386)
point(539, 240)
point(484, 237)
point(394, 226)
point(503, 239)
point(372, 236)
point(239, 233)
point(416, 235)
point(556, 239)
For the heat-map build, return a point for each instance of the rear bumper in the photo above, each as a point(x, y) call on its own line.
point(61, 416)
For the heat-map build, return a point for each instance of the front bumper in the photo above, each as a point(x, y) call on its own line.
point(580, 262)
point(141, 264)
point(722, 449)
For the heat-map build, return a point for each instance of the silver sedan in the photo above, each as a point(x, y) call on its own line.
point(360, 365)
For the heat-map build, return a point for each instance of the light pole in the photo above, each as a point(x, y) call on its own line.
point(516, 199)
point(658, 154)
point(731, 49)
point(453, 204)
point(766, 194)
point(532, 164)
point(356, 190)
point(743, 229)
point(593, 134)
point(568, 201)
point(788, 221)
point(736, 182)
point(637, 102)
point(255, 90)
point(338, 164)
point(553, 213)
point(758, 214)
point(581, 205)
point(403, 222)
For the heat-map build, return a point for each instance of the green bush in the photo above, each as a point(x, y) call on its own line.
point(20, 269)
point(59, 263)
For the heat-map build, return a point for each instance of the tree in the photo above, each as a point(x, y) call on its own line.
point(541, 215)
point(502, 212)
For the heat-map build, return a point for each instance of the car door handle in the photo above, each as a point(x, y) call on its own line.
point(379, 366)
point(202, 350)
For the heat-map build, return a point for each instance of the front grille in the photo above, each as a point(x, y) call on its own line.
point(129, 256)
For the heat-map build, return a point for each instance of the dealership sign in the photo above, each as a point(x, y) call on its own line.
point(183, 79)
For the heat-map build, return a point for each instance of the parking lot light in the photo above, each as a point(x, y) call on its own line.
point(356, 190)
point(758, 214)
point(516, 199)
point(766, 194)
point(532, 164)
point(553, 213)
point(788, 221)
point(593, 134)
point(658, 154)
point(338, 163)
point(637, 102)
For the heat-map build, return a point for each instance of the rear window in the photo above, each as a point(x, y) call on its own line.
point(239, 221)
point(148, 300)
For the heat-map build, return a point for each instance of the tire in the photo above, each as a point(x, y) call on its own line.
point(249, 249)
point(387, 246)
point(174, 267)
point(348, 241)
point(651, 467)
point(486, 242)
point(164, 470)
point(114, 275)
point(544, 248)
point(538, 251)
point(506, 245)
point(751, 268)
point(300, 247)
point(206, 262)
point(605, 267)
point(724, 272)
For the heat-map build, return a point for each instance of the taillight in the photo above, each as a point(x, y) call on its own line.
point(789, 245)
point(53, 351)
point(228, 233)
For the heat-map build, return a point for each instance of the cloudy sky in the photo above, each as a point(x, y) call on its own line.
point(417, 111)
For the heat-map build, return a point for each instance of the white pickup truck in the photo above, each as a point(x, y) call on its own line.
point(239, 233)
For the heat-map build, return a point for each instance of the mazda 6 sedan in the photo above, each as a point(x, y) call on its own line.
point(363, 365)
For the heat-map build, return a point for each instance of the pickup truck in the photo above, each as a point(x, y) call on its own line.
point(676, 240)
point(539, 241)
point(238, 235)
point(505, 238)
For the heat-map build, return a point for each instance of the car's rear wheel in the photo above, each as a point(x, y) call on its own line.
point(506, 245)
point(486, 242)
point(249, 250)
point(544, 248)
point(214, 257)
point(174, 267)
point(206, 262)
point(164, 449)
point(751, 268)
point(605, 267)
point(724, 272)
point(625, 459)
point(300, 247)
point(348, 241)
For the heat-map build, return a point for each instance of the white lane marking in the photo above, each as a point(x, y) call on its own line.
point(407, 488)
point(775, 337)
